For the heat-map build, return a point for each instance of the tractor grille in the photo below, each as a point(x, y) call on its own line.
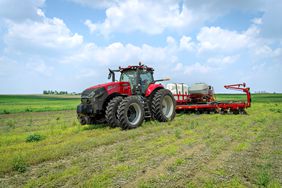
point(86, 96)
point(85, 100)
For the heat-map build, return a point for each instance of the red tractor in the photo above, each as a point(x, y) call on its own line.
point(127, 102)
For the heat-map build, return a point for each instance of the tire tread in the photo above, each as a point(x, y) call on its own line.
point(111, 111)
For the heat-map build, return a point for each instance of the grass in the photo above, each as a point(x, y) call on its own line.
point(19, 164)
point(261, 98)
point(36, 103)
point(207, 150)
point(34, 138)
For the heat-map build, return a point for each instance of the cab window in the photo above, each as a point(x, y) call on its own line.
point(129, 76)
point(146, 78)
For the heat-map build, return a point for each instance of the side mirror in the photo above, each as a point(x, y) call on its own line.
point(110, 74)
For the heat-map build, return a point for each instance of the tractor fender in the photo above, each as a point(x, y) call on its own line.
point(152, 88)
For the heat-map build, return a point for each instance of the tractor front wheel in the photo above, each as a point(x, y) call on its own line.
point(98, 119)
point(163, 106)
point(82, 120)
point(130, 112)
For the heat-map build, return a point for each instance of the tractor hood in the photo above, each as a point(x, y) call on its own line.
point(109, 88)
point(106, 85)
point(95, 90)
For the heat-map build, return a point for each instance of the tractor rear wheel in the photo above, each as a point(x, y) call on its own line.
point(111, 112)
point(130, 112)
point(163, 106)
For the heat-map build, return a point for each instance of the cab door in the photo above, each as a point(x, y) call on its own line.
point(146, 78)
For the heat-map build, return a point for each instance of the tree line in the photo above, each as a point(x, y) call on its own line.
point(55, 92)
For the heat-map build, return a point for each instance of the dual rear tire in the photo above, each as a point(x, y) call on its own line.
point(128, 112)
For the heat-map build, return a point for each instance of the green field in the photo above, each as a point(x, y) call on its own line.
point(36, 103)
point(46, 147)
point(41, 103)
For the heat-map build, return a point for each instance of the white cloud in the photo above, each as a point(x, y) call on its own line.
point(216, 38)
point(170, 41)
point(92, 27)
point(212, 64)
point(186, 43)
point(150, 17)
point(48, 33)
point(197, 68)
point(86, 73)
point(40, 67)
point(219, 61)
point(96, 4)
point(116, 53)
point(40, 13)
point(178, 67)
point(257, 21)
point(265, 51)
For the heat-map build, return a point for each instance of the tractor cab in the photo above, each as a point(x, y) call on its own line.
point(139, 77)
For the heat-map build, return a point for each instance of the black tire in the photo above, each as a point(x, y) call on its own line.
point(111, 112)
point(130, 112)
point(242, 111)
point(163, 106)
point(82, 120)
point(98, 119)
point(235, 111)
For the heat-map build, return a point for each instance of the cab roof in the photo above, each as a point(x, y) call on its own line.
point(144, 67)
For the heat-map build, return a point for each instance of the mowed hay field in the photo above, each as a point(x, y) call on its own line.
point(45, 146)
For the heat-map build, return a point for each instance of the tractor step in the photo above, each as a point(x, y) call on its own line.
point(147, 111)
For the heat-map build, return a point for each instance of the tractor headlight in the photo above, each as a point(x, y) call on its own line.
point(85, 100)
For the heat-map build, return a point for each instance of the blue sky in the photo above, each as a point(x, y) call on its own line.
point(70, 44)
